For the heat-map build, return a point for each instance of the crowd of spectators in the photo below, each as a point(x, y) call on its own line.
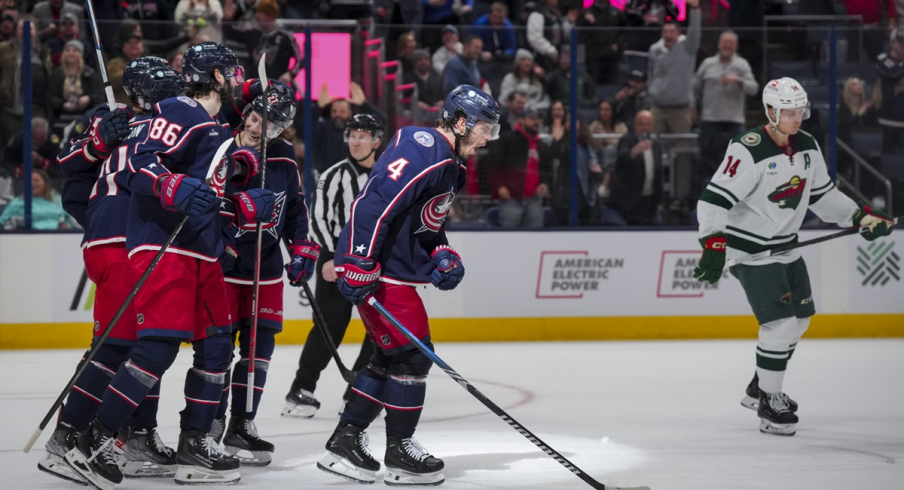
point(679, 81)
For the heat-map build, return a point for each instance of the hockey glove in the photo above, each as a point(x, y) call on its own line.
point(107, 132)
point(879, 223)
point(254, 205)
point(247, 165)
point(304, 258)
point(448, 270)
point(251, 88)
point(358, 278)
point(227, 260)
point(709, 269)
point(186, 194)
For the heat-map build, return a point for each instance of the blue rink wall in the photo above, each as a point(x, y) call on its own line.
point(520, 286)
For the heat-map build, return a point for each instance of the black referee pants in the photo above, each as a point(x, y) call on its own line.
point(315, 356)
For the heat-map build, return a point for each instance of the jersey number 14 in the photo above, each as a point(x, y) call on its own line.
point(731, 168)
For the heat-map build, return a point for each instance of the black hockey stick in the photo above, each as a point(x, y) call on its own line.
point(347, 375)
point(791, 246)
point(256, 283)
point(492, 406)
point(89, 355)
point(108, 89)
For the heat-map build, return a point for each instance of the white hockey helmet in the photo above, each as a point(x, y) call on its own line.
point(782, 95)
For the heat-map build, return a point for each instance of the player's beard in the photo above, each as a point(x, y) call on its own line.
point(227, 97)
point(469, 142)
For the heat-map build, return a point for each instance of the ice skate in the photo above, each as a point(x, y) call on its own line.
point(217, 430)
point(751, 399)
point(145, 456)
point(409, 464)
point(61, 442)
point(202, 463)
point(300, 404)
point(243, 442)
point(348, 456)
point(775, 415)
point(93, 459)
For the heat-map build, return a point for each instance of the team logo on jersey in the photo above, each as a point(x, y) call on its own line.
point(878, 263)
point(385, 339)
point(219, 178)
point(140, 318)
point(424, 138)
point(786, 298)
point(271, 225)
point(751, 139)
point(434, 212)
point(188, 100)
point(788, 195)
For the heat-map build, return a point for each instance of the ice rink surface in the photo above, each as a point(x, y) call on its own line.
point(663, 414)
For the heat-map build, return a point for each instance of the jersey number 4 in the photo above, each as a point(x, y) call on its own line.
point(395, 168)
point(731, 168)
point(162, 130)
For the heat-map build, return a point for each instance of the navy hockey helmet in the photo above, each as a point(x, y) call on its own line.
point(156, 84)
point(365, 122)
point(474, 105)
point(202, 59)
point(280, 105)
point(134, 69)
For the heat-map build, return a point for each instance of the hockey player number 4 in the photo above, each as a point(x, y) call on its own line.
point(396, 167)
point(731, 168)
point(162, 130)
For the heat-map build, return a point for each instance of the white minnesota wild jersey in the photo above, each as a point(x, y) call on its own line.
point(760, 194)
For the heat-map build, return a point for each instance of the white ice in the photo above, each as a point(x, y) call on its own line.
point(663, 414)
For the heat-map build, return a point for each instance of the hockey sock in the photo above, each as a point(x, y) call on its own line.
point(266, 343)
point(405, 391)
point(204, 382)
point(85, 397)
point(802, 325)
point(145, 416)
point(224, 398)
point(135, 379)
point(772, 352)
point(364, 403)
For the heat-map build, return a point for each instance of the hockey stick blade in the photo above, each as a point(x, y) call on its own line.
point(489, 404)
point(347, 375)
point(89, 355)
point(792, 246)
point(258, 228)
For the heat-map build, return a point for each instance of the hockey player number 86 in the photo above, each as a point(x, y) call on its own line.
point(162, 130)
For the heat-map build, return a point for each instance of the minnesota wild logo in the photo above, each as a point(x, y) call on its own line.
point(788, 195)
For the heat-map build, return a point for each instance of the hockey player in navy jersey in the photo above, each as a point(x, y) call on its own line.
point(238, 264)
point(100, 205)
point(184, 298)
point(393, 242)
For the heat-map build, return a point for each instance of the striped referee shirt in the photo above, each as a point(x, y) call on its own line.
point(330, 207)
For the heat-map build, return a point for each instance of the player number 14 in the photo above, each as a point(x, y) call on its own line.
point(731, 168)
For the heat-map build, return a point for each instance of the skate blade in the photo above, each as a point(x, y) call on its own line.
point(767, 427)
point(56, 466)
point(77, 461)
point(750, 402)
point(293, 411)
point(196, 475)
point(256, 458)
point(339, 466)
point(146, 469)
point(395, 477)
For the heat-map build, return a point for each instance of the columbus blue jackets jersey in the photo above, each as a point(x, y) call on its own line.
point(181, 138)
point(283, 179)
point(399, 216)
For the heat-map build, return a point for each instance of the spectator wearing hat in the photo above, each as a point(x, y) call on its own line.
point(132, 46)
point(443, 12)
point(429, 83)
point(527, 77)
point(497, 33)
point(12, 107)
point(68, 31)
point(49, 14)
point(450, 48)
point(8, 20)
point(514, 176)
point(74, 87)
point(633, 97)
point(462, 70)
point(265, 36)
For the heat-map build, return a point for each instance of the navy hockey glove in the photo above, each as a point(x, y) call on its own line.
point(304, 258)
point(879, 223)
point(186, 194)
point(227, 260)
point(247, 165)
point(359, 278)
point(709, 269)
point(107, 132)
point(254, 205)
point(448, 270)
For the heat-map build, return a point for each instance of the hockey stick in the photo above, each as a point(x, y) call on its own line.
point(256, 285)
point(89, 355)
point(791, 246)
point(489, 404)
point(348, 376)
point(108, 89)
